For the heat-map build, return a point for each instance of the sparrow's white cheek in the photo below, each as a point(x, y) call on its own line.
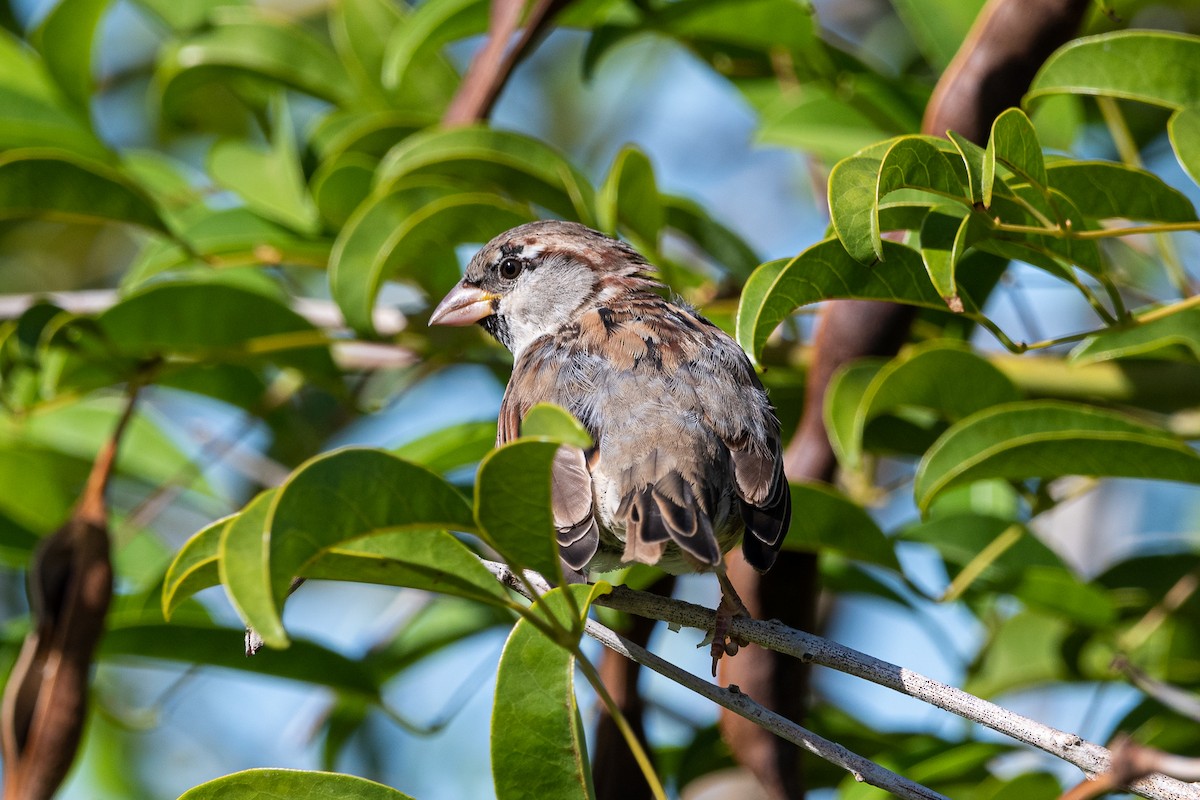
point(543, 301)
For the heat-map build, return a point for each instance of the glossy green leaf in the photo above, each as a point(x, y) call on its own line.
point(512, 505)
point(852, 200)
point(538, 746)
point(65, 38)
point(1151, 66)
point(414, 47)
point(1184, 130)
point(946, 235)
point(974, 159)
point(554, 423)
point(824, 519)
point(351, 494)
point(629, 196)
point(270, 180)
point(1104, 190)
point(243, 563)
point(268, 784)
point(450, 448)
point(938, 29)
point(369, 132)
point(360, 30)
point(1048, 439)
point(826, 271)
point(196, 566)
point(340, 185)
point(56, 185)
point(1059, 592)
point(366, 255)
point(36, 111)
point(1014, 143)
point(1178, 330)
point(253, 45)
point(941, 376)
point(215, 321)
point(184, 17)
point(508, 163)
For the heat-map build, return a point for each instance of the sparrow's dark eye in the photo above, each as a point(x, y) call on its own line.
point(510, 268)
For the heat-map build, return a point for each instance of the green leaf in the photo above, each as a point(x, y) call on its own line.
point(1104, 190)
point(360, 262)
point(538, 746)
point(205, 644)
point(959, 538)
point(1014, 143)
point(826, 271)
point(1047, 439)
point(413, 50)
point(512, 505)
point(510, 164)
point(1025, 650)
point(251, 44)
point(340, 185)
point(946, 235)
point(450, 448)
point(65, 38)
point(1184, 130)
point(1150, 66)
point(217, 322)
point(243, 562)
point(852, 203)
point(351, 494)
point(629, 197)
point(1177, 330)
point(553, 423)
point(266, 784)
point(36, 112)
point(370, 132)
point(269, 180)
point(941, 376)
point(185, 17)
point(937, 28)
point(196, 566)
point(827, 520)
point(360, 30)
point(57, 185)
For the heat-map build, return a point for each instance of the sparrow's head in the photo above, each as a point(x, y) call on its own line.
point(537, 277)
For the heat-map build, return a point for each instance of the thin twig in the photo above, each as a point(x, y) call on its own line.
point(732, 698)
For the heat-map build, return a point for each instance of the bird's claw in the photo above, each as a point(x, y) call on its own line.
point(721, 642)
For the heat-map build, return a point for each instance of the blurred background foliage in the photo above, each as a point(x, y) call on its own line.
point(247, 208)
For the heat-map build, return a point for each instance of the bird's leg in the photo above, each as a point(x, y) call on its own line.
point(731, 606)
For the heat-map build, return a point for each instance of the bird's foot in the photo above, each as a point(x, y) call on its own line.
point(722, 642)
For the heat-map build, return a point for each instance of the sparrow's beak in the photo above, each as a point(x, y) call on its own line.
point(464, 305)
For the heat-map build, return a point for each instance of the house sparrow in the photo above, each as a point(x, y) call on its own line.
point(686, 454)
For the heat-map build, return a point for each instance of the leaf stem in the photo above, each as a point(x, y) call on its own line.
point(635, 746)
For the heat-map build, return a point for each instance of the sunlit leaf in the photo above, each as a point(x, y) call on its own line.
point(260, 784)
point(1184, 130)
point(1151, 66)
point(826, 271)
point(1014, 143)
point(243, 562)
point(538, 746)
point(427, 223)
point(412, 54)
point(340, 185)
point(1048, 439)
point(450, 448)
point(629, 196)
point(512, 505)
point(360, 30)
point(1103, 190)
point(508, 163)
point(1179, 330)
point(554, 423)
point(65, 38)
point(196, 566)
